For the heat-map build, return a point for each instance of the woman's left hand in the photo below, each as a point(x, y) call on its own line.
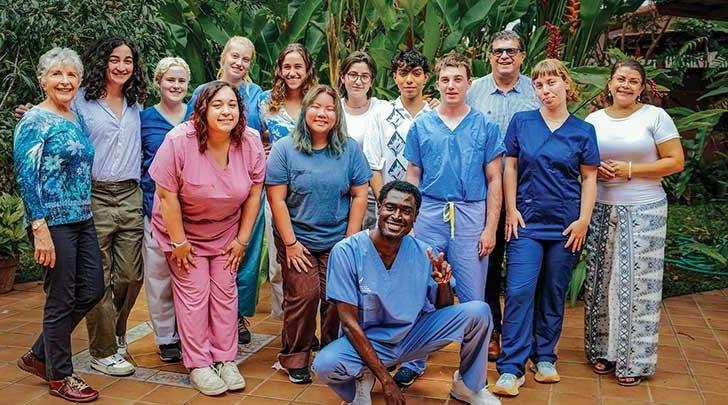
point(577, 234)
point(235, 251)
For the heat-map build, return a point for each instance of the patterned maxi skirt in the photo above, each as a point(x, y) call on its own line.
point(623, 286)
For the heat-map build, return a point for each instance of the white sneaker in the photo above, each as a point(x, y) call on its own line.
point(508, 384)
point(364, 385)
point(230, 374)
point(121, 346)
point(114, 365)
point(462, 393)
point(206, 380)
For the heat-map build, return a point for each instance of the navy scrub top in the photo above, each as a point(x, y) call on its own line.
point(549, 191)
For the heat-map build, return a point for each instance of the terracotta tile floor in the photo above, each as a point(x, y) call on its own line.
point(693, 366)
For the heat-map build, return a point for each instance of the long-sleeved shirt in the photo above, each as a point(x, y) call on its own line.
point(53, 161)
point(117, 141)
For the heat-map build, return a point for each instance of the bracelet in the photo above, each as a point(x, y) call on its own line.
point(239, 242)
point(293, 243)
point(177, 245)
point(629, 170)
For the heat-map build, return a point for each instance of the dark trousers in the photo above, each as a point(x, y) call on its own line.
point(495, 274)
point(72, 288)
point(302, 294)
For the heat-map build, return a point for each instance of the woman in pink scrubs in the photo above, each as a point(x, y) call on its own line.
point(209, 173)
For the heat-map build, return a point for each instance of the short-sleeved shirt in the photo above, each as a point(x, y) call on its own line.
point(485, 96)
point(154, 128)
point(633, 138)
point(251, 93)
point(452, 161)
point(389, 300)
point(549, 165)
point(117, 142)
point(53, 159)
point(210, 196)
point(278, 124)
point(362, 126)
point(385, 148)
point(319, 189)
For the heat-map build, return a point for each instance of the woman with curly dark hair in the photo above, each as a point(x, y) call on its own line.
point(108, 105)
point(209, 176)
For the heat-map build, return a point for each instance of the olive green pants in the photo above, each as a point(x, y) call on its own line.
point(117, 210)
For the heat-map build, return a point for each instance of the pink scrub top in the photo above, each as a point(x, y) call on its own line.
point(210, 196)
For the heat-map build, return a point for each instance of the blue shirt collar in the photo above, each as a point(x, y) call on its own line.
point(521, 81)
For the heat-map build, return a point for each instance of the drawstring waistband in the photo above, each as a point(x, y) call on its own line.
point(448, 215)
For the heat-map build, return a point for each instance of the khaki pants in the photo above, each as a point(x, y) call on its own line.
point(117, 210)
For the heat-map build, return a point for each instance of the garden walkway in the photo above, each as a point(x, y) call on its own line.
point(693, 367)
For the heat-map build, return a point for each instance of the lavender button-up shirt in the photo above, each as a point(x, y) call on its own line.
point(117, 142)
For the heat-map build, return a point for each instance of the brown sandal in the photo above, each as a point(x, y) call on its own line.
point(629, 381)
point(604, 367)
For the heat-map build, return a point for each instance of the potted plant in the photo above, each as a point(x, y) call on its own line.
point(13, 239)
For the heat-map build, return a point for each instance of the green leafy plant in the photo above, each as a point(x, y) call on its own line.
point(13, 236)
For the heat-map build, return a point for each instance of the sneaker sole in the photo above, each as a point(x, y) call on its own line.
point(547, 379)
point(211, 393)
point(30, 370)
point(509, 392)
point(237, 387)
point(170, 359)
point(299, 380)
point(89, 399)
point(105, 370)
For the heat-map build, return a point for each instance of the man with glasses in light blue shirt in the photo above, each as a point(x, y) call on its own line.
point(498, 96)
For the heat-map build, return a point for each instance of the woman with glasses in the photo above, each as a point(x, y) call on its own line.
point(358, 71)
point(639, 145)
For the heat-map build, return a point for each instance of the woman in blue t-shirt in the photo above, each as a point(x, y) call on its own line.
point(550, 188)
point(317, 188)
point(171, 76)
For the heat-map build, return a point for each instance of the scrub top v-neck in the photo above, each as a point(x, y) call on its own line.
point(549, 165)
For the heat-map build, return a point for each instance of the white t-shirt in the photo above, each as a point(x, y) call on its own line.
point(633, 138)
point(385, 149)
point(363, 125)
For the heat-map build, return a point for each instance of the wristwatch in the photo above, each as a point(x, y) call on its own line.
point(35, 225)
point(176, 245)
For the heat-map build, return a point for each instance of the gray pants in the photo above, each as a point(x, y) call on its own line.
point(117, 210)
point(158, 286)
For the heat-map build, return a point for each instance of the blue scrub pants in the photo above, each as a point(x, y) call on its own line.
point(339, 364)
point(537, 277)
point(468, 269)
point(249, 268)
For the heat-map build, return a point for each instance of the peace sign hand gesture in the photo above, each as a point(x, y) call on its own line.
point(441, 269)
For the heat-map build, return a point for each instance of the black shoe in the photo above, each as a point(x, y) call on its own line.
point(299, 375)
point(170, 353)
point(405, 377)
point(244, 335)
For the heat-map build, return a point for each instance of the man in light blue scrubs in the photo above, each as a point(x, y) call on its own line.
point(394, 300)
point(454, 155)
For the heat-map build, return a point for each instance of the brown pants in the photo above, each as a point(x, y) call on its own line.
point(302, 293)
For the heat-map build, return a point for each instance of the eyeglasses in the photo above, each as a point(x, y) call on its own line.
point(508, 51)
point(353, 76)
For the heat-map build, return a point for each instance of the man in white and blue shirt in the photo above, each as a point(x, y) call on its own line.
point(498, 96)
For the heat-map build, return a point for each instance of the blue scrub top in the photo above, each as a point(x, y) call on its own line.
point(389, 300)
point(549, 191)
point(251, 94)
point(452, 162)
point(154, 128)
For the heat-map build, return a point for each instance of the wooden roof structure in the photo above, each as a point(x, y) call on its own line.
point(704, 9)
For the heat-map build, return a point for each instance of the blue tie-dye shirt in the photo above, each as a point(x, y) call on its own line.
point(53, 160)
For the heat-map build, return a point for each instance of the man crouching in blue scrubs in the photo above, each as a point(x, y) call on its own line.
point(394, 300)
point(455, 157)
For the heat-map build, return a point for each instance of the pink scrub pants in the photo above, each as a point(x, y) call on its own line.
point(206, 304)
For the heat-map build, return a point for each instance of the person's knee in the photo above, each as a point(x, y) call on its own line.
point(477, 311)
point(326, 365)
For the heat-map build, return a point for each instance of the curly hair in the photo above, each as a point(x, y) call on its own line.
point(337, 136)
point(279, 88)
point(96, 61)
point(348, 62)
point(408, 60)
point(199, 118)
point(555, 67)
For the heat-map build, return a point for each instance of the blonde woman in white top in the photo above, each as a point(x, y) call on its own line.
point(639, 145)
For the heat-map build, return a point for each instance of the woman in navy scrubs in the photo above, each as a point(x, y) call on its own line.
point(548, 208)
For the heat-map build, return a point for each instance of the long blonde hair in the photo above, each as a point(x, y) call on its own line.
point(240, 41)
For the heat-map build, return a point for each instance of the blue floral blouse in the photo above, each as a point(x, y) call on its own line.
point(53, 160)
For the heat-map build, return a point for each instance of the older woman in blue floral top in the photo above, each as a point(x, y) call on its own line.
point(53, 160)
